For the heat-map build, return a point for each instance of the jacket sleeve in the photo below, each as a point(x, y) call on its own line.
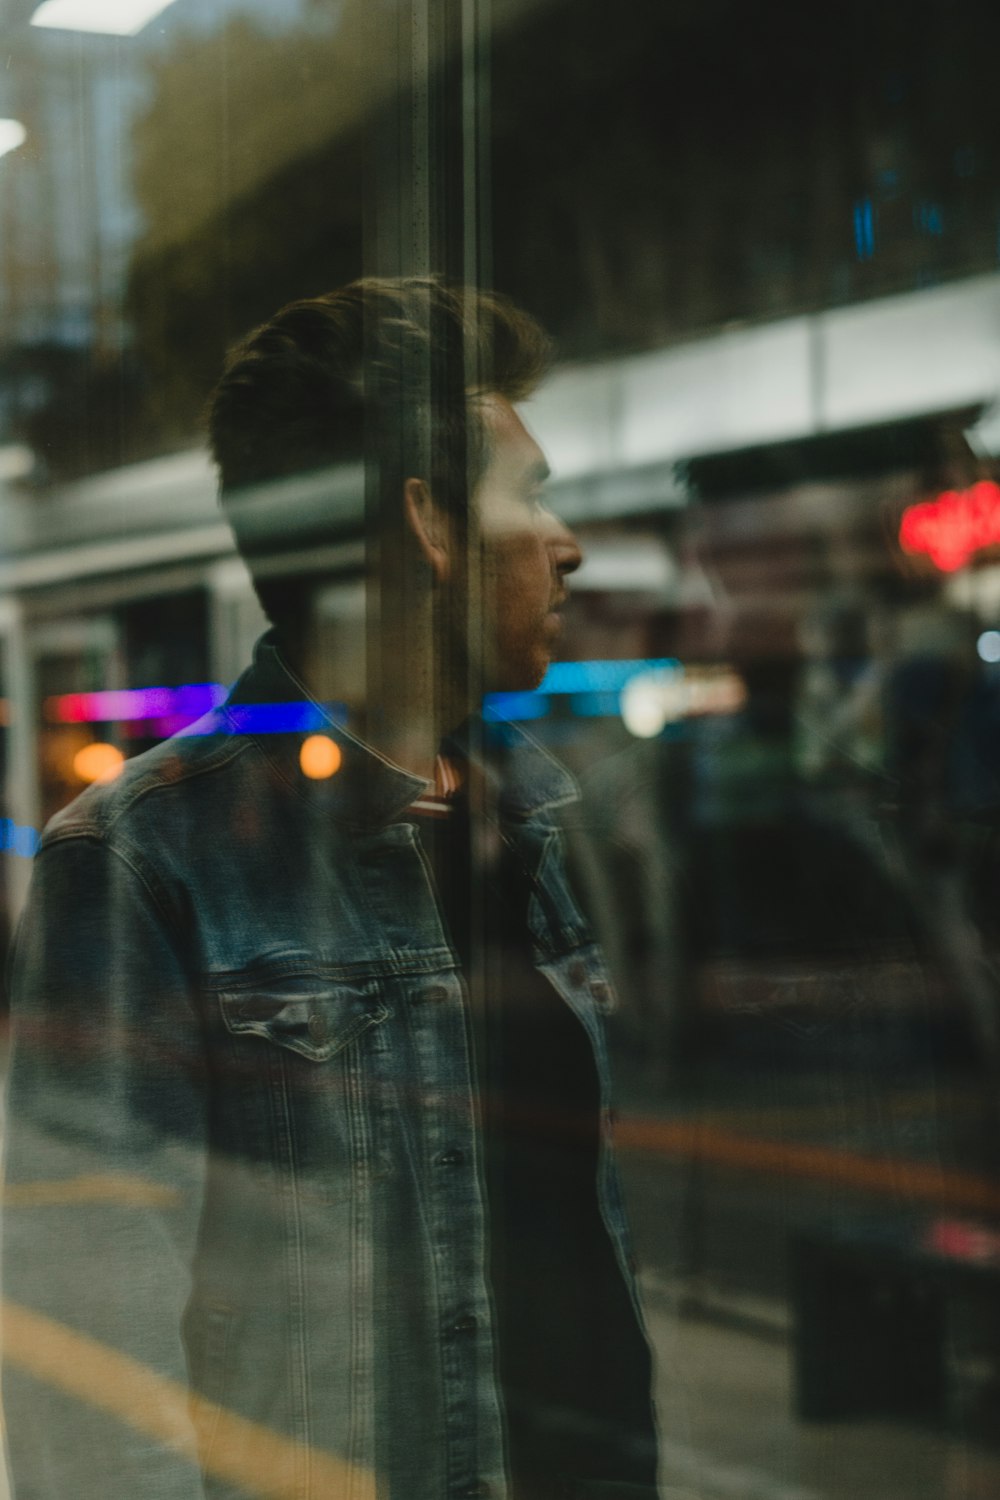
point(104, 1174)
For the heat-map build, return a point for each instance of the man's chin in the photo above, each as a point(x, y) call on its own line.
point(523, 677)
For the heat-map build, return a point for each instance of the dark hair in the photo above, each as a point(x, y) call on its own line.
point(379, 371)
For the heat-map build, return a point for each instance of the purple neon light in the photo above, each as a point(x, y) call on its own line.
point(158, 712)
point(126, 705)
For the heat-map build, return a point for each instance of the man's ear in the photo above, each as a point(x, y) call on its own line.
point(429, 525)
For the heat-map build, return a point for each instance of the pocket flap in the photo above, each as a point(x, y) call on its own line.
point(302, 1011)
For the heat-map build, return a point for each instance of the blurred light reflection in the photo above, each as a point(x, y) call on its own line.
point(98, 762)
point(129, 704)
point(953, 527)
point(864, 229)
point(647, 694)
point(12, 135)
point(297, 717)
point(319, 757)
point(16, 838)
point(108, 17)
point(988, 646)
point(16, 459)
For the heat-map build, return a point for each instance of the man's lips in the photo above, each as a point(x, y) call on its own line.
point(553, 617)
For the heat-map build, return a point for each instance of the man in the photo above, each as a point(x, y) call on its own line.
point(324, 1056)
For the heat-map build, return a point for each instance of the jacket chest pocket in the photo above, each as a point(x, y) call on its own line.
point(301, 1011)
point(301, 1076)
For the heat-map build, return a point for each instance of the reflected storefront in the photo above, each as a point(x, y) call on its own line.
point(530, 1024)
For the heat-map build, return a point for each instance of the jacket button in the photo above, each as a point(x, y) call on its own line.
point(468, 1323)
point(577, 971)
point(433, 994)
point(318, 1029)
point(453, 1158)
point(600, 992)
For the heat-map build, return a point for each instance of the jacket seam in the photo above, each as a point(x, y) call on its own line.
point(218, 761)
point(102, 823)
point(372, 969)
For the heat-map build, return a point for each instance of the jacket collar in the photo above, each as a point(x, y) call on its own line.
point(523, 779)
point(368, 790)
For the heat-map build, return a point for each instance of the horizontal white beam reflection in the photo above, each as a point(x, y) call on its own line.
point(910, 355)
point(12, 135)
point(109, 17)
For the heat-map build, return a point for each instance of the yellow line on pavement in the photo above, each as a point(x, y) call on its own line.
point(98, 1187)
point(264, 1463)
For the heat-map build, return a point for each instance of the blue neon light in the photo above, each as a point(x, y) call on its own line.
point(501, 708)
point(929, 218)
point(595, 705)
point(597, 676)
point(864, 229)
point(298, 716)
point(19, 839)
point(593, 687)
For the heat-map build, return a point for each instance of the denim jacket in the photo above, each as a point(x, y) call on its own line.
point(243, 1146)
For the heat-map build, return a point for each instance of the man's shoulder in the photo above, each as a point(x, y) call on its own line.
point(173, 779)
point(180, 776)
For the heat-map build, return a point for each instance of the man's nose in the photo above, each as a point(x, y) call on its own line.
point(564, 548)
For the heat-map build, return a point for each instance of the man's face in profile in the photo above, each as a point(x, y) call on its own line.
point(525, 553)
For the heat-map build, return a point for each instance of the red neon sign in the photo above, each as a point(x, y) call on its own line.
point(954, 526)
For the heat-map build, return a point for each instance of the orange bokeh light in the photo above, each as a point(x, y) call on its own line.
point(319, 757)
point(98, 762)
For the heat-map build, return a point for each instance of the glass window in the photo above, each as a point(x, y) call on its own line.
point(500, 685)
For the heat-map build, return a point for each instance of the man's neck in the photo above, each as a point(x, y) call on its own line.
point(404, 718)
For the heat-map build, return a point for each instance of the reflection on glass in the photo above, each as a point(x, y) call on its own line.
point(772, 432)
